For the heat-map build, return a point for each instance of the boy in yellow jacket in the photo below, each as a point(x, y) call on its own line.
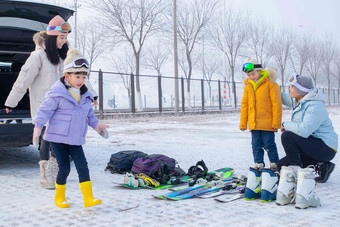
point(261, 110)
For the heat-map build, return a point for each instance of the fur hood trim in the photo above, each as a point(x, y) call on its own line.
point(39, 38)
point(272, 74)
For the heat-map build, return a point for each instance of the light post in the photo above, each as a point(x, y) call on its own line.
point(75, 6)
point(175, 57)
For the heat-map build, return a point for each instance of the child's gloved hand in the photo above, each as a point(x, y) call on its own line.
point(36, 135)
point(101, 129)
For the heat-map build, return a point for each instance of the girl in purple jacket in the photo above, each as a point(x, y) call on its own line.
point(67, 109)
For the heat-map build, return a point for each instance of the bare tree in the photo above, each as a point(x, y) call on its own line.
point(133, 22)
point(92, 42)
point(183, 63)
point(192, 19)
point(313, 64)
point(337, 71)
point(260, 41)
point(281, 50)
point(156, 57)
point(327, 60)
point(209, 65)
point(302, 53)
point(124, 64)
point(229, 36)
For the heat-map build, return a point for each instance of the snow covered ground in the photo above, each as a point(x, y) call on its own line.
point(215, 138)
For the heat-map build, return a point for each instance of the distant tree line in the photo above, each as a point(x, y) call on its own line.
point(214, 40)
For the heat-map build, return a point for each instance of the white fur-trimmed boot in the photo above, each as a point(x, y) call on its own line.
point(287, 185)
point(52, 168)
point(46, 180)
point(269, 185)
point(305, 194)
point(253, 186)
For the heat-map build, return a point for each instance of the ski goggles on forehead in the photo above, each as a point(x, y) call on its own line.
point(248, 67)
point(63, 28)
point(293, 82)
point(78, 63)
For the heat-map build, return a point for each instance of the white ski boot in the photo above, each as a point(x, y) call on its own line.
point(287, 185)
point(305, 194)
point(253, 186)
point(269, 185)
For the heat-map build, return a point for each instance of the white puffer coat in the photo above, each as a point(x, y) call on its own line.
point(38, 75)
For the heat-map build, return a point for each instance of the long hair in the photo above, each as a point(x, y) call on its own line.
point(52, 51)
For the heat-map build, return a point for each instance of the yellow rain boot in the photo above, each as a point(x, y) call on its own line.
point(60, 199)
point(86, 189)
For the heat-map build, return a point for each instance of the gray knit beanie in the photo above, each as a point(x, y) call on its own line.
point(305, 82)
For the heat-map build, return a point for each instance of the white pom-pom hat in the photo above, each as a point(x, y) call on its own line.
point(73, 56)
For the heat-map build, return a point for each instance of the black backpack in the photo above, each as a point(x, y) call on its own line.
point(122, 161)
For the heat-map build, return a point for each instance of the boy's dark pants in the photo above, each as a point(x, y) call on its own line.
point(62, 153)
point(264, 139)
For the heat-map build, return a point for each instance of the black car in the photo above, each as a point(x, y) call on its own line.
point(19, 20)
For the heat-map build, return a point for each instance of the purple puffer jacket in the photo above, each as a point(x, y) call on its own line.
point(67, 119)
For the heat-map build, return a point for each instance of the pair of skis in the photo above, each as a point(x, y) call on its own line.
point(208, 190)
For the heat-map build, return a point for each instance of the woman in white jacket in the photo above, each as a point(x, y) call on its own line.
point(41, 70)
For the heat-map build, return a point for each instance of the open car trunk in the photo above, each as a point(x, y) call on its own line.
point(19, 20)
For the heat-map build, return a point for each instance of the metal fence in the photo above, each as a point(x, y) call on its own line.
point(117, 93)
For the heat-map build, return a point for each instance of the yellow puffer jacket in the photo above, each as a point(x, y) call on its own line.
point(261, 105)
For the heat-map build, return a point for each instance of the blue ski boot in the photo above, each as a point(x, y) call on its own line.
point(269, 185)
point(253, 186)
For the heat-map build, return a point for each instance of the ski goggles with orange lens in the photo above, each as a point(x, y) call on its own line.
point(78, 63)
point(293, 82)
point(64, 28)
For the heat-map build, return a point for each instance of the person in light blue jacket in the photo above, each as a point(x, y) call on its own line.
point(309, 137)
point(67, 109)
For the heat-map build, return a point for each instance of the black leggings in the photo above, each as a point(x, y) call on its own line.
point(63, 152)
point(304, 151)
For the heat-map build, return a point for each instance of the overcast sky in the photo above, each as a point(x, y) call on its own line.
point(317, 16)
point(305, 16)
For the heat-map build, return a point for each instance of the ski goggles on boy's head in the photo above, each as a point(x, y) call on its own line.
point(63, 28)
point(293, 82)
point(78, 63)
point(248, 67)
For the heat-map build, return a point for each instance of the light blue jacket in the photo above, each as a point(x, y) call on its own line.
point(67, 119)
point(310, 118)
